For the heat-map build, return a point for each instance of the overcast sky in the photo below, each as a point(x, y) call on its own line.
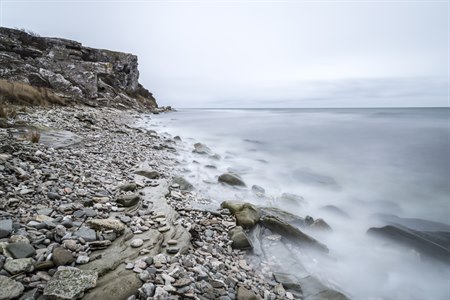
point(264, 53)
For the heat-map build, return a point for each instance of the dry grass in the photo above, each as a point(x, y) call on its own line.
point(7, 111)
point(32, 136)
point(19, 93)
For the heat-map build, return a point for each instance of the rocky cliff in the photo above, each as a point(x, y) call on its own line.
point(93, 76)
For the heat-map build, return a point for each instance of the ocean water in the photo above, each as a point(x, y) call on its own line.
point(350, 166)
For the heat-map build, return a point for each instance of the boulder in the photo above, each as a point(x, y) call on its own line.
point(247, 215)
point(10, 289)
point(320, 225)
point(107, 224)
point(183, 183)
point(292, 233)
point(70, 283)
point(200, 148)
point(128, 200)
point(231, 179)
point(239, 238)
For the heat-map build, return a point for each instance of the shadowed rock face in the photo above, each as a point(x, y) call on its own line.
point(96, 76)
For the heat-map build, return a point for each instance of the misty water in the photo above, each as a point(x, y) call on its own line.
point(355, 168)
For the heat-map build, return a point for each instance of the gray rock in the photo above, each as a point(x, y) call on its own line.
point(128, 187)
point(53, 196)
point(82, 259)
point(247, 215)
point(200, 148)
point(149, 173)
point(136, 243)
point(5, 228)
point(86, 234)
point(288, 281)
point(107, 224)
point(70, 283)
point(231, 179)
point(62, 257)
point(239, 238)
point(128, 200)
point(21, 250)
point(20, 265)
point(10, 289)
point(183, 183)
point(258, 190)
point(246, 294)
point(147, 290)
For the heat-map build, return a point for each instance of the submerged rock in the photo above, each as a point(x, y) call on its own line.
point(290, 232)
point(70, 283)
point(10, 289)
point(231, 179)
point(200, 148)
point(183, 183)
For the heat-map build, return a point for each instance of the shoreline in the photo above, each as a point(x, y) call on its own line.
point(103, 201)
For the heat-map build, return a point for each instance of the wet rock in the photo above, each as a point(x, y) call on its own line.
point(288, 281)
point(10, 289)
point(21, 250)
point(239, 238)
point(433, 245)
point(247, 215)
point(107, 224)
point(258, 190)
point(289, 231)
point(14, 266)
point(231, 179)
point(183, 183)
point(70, 283)
point(86, 234)
point(200, 148)
point(246, 294)
point(62, 257)
point(5, 228)
point(128, 200)
point(291, 199)
point(320, 225)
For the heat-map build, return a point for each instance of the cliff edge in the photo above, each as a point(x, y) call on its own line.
point(72, 71)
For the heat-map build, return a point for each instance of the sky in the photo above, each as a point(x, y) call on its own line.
point(264, 53)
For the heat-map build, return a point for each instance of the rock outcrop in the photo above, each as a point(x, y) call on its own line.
point(94, 76)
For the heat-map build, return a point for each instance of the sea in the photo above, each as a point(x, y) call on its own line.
point(354, 168)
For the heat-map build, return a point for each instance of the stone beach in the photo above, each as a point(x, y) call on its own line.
point(102, 216)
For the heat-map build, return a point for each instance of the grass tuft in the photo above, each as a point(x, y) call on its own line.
point(20, 93)
point(32, 136)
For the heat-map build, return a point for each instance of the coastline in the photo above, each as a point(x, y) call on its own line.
point(99, 196)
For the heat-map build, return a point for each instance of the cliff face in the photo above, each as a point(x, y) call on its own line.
point(93, 76)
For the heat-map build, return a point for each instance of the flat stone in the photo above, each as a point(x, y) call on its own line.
point(20, 265)
point(163, 229)
point(53, 196)
point(89, 212)
point(70, 283)
point(86, 234)
point(173, 250)
point(172, 242)
point(289, 281)
point(21, 250)
point(107, 224)
point(246, 294)
point(149, 173)
point(127, 187)
point(182, 282)
point(82, 259)
point(62, 257)
point(5, 228)
point(10, 289)
point(136, 243)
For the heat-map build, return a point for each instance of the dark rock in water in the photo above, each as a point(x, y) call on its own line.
point(21, 250)
point(200, 148)
point(258, 190)
point(413, 223)
point(309, 220)
point(5, 228)
point(313, 289)
point(239, 238)
point(283, 215)
point(291, 199)
point(10, 289)
point(128, 200)
point(435, 245)
point(231, 179)
point(62, 257)
point(70, 283)
point(247, 215)
point(240, 170)
point(183, 183)
point(290, 232)
point(246, 294)
point(321, 225)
